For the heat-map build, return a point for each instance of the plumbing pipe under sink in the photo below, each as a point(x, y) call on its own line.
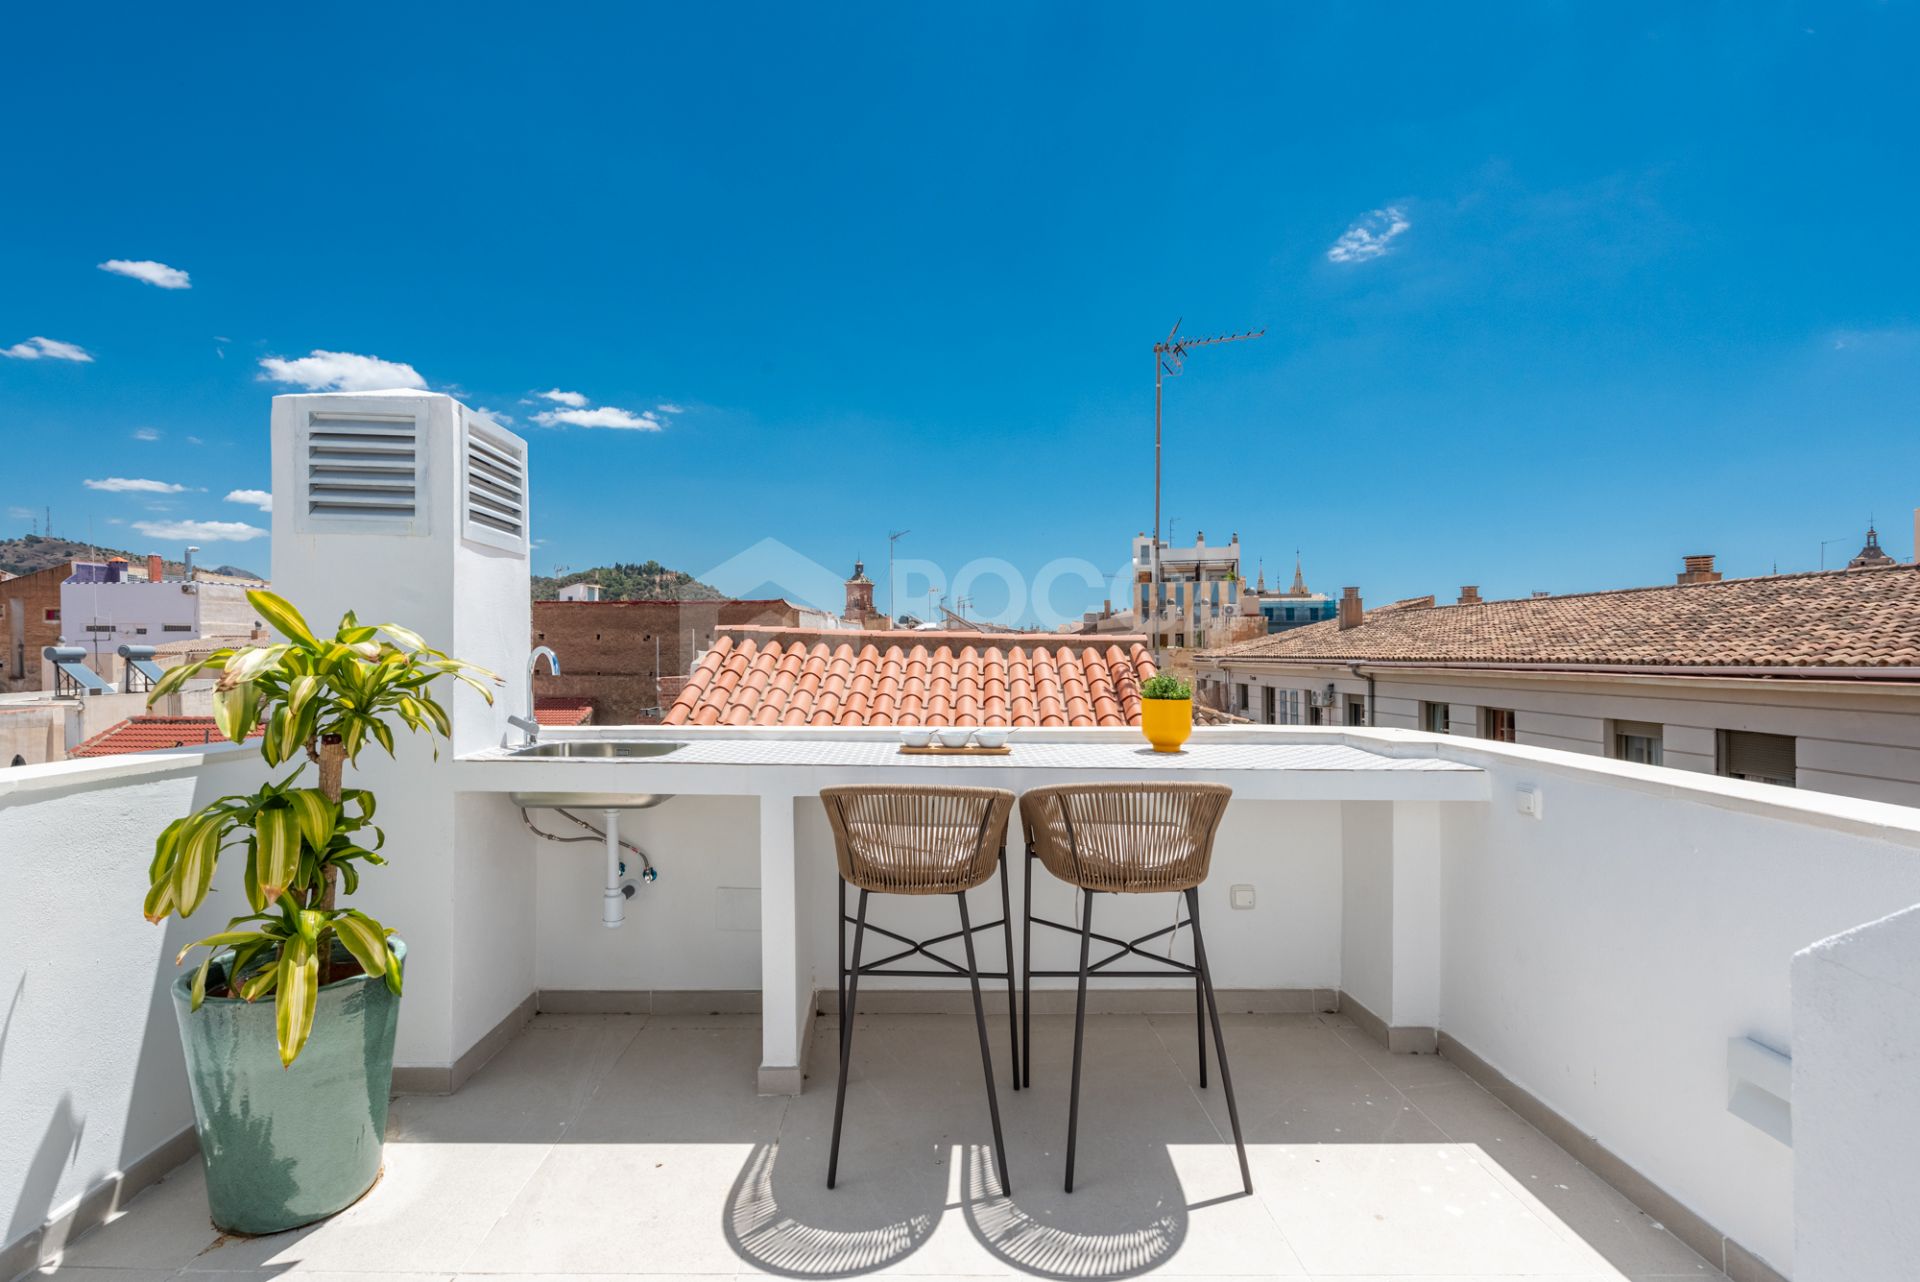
point(619, 887)
point(613, 900)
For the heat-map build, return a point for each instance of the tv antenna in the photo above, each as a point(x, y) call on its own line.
point(1169, 359)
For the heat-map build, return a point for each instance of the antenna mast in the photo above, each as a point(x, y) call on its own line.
point(1169, 358)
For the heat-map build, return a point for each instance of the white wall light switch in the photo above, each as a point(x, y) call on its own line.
point(1243, 896)
point(1528, 801)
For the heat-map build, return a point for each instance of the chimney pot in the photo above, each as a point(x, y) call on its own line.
point(156, 568)
point(1470, 594)
point(1351, 610)
point(1699, 569)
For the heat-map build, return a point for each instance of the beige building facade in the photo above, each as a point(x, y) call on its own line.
point(1810, 681)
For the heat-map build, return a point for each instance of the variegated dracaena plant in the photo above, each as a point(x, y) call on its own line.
point(327, 699)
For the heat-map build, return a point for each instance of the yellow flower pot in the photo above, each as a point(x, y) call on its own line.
point(1166, 722)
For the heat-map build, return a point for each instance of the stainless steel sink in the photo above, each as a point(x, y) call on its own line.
point(599, 748)
point(594, 750)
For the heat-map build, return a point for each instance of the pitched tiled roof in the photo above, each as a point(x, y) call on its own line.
point(794, 677)
point(1864, 619)
point(149, 734)
point(557, 710)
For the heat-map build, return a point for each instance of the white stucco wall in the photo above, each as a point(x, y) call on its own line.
point(1856, 1140)
point(695, 928)
point(1602, 956)
point(91, 1074)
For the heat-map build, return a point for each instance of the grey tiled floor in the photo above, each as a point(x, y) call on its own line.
point(602, 1145)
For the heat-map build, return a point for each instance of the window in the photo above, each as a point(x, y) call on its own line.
point(53, 614)
point(1266, 704)
point(1434, 717)
point(1637, 741)
point(1356, 710)
point(1497, 723)
point(176, 627)
point(99, 627)
point(1179, 640)
point(1240, 697)
point(1765, 758)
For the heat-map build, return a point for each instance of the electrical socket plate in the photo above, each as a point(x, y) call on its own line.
point(1243, 896)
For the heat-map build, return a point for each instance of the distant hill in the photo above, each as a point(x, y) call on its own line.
point(648, 581)
point(32, 552)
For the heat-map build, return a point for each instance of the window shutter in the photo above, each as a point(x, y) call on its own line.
point(1749, 755)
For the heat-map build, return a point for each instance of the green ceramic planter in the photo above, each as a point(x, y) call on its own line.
point(287, 1146)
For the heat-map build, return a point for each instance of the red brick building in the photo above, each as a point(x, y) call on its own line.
point(613, 653)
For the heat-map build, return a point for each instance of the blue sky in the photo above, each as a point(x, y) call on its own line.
point(1554, 293)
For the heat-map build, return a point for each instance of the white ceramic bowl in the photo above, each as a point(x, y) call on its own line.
point(916, 736)
point(990, 737)
point(954, 736)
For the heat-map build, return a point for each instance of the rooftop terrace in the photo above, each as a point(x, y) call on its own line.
point(1495, 1011)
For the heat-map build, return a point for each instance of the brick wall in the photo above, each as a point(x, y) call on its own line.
point(25, 628)
point(613, 653)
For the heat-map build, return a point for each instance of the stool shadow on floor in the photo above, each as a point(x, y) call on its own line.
point(781, 1216)
point(1052, 1234)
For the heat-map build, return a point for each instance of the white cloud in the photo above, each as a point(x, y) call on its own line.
point(149, 271)
point(194, 440)
point(261, 499)
point(1369, 237)
point(324, 371)
point(145, 434)
point(505, 420)
point(668, 408)
point(21, 513)
point(605, 416)
point(135, 485)
point(200, 531)
point(54, 350)
point(573, 399)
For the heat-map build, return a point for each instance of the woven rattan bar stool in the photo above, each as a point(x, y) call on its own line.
point(905, 840)
point(1127, 839)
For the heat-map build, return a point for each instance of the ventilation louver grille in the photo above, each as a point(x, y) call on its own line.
point(361, 469)
point(496, 489)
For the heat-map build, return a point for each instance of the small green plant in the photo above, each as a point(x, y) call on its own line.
point(303, 845)
point(1165, 686)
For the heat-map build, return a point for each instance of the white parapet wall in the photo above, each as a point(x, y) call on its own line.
point(1603, 955)
point(93, 1085)
point(1856, 1092)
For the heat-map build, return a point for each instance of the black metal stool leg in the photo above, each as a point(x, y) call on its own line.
point(846, 1039)
point(840, 933)
point(1200, 1023)
point(1026, 970)
point(1079, 1034)
point(986, 1055)
point(1006, 923)
point(1219, 1040)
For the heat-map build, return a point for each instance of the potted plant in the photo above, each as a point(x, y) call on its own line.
point(1166, 711)
point(288, 1024)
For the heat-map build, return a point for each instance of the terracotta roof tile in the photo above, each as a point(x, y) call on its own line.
point(152, 733)
point(790, 676)
point(1865, 618)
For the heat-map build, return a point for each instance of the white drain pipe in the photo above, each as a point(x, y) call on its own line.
point(613, 900)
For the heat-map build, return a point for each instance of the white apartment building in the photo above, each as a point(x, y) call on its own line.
point(1806, 680)
point(107, 604)
point(1199, 591)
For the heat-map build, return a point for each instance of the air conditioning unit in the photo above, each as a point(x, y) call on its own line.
point(1323, 698)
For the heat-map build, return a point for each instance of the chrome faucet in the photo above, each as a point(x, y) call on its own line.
point(530, 724)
